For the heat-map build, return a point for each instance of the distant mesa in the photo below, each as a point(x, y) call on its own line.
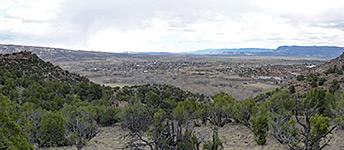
point(311, 51)
point(283, 51)
point(230, 50)
point(59, 55)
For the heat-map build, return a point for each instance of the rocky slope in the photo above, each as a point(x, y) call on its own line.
point(328, 76)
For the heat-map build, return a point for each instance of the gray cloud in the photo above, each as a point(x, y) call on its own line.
point(176, 25)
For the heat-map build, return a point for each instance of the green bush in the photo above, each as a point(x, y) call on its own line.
point(300, 77)
point(108, 115)
point(335, 86)
point(136, 118)
point(321, 81)
point(215, 144)
point(292, 89)
point(260, 127)
point(11, 133)
point(52, 130)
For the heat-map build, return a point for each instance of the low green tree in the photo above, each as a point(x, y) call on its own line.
point(338, 111)
point(300, 77)
point(80, 123)
point(296, 119)
point(153, 99)
point(51, 130)
point(334, 86)
point(185, 111)
point(260, 127)
point(11, 133)
point(106, 115)
point(282, 127)
point(322, 81)
point(314, 128)
point(292, 89)
point(221, 110)
point(216, 143)
point(244, 110)
point(136, 118)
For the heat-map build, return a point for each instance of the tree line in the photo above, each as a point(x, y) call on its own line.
point(294, 120)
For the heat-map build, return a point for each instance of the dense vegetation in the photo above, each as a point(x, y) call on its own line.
point(43, 106)
point(295, 120)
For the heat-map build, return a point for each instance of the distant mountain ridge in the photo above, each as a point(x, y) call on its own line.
point(227, 50)
point(59, 54)
point(285, 51)
point(55, 54)
point(311, 51)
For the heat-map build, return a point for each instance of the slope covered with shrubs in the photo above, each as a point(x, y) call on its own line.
point(42, 106)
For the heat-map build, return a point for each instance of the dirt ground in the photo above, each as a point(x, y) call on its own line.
point(236, 137)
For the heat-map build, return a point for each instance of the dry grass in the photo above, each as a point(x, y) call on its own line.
point(263, 86)
point(109, 138)
point(237, 137)
point(337, 141)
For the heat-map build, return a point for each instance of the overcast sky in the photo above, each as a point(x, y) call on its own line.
point(171, 25)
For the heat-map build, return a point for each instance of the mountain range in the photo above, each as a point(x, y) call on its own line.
point(58, 54)
point(285, 51)
point(229, 50)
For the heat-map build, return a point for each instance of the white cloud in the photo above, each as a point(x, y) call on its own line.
point(179, 25)
point(303, 7)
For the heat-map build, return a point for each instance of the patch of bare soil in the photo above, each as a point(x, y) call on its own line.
point(239, 137)
point(236, 137)
point(337, 141)
point(108, 138)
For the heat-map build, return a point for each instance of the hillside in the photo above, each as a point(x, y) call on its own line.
point(56, 54)
point(24, 76)
point(328, 76)
point(28, 64)
point(338, 62)
point(43, 106)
